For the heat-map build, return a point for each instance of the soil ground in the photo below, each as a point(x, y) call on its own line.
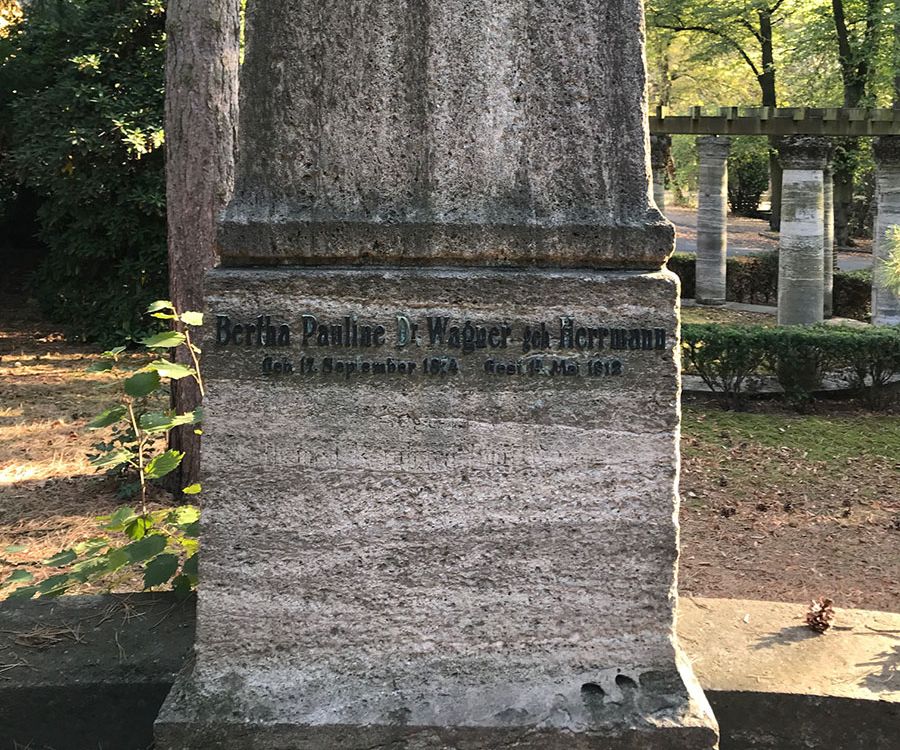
point(776, 506)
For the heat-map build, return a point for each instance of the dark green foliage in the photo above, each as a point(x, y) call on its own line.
point(852, 294)
point(730, 357)
point(684, 266)
point(724, 356)
point(753, 279)
point(861, 220)
point(81, 117)
point(748, 173)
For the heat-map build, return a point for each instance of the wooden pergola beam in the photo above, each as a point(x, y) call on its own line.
point(830, 121)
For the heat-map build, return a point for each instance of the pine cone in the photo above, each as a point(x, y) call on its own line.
point(820, 614)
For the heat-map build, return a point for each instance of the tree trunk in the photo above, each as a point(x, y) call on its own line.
point(856, 69)
point(202, 52)
point(774, 186)
point(769, 99)
point(843, 200)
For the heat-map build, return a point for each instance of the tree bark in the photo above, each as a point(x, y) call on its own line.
point(856, 71)
point(202, 53)
point(769, 99)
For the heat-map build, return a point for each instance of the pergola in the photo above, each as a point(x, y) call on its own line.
point(807, 211)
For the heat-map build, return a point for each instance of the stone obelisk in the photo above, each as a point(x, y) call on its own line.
point(442, 366)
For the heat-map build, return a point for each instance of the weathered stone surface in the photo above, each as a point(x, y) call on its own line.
point(397, 132)
point(801, 264)
point(660, 147)
point(885, 301)
point(449, 555)
point(712, 219)
point(828, 240)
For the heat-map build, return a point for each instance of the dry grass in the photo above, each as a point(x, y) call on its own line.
point(778, 506)
point(50, 495)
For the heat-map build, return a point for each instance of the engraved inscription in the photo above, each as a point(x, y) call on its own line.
point(350, 346)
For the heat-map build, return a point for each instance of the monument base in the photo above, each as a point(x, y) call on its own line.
point(660, 712)
point(440, 511)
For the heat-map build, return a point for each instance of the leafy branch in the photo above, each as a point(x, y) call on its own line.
point(159, 541)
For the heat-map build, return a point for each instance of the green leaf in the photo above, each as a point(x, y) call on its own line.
point(107, 418)
point(13, 548)
point(188, 544)
point(142, 383)
point(168, 369)
point(183, 515)
point(163, 464)
point(102, 366)
point(144, 549)
point(164, 340)
point(116, 558)
point(112, 459)
point(95, 567)
point(160, 304)
point(159, 422)
point(182, 586)
point(160, 569)
point(55, 585)
point(114, 352)
point(24, 592)
point(191, 530)
point(192, 318)
point(60, 559)
point(120, 519)
point(164, 316)
point(192, 489)
point(18, 576)
point(90, 547)
point(138, 528)
point(191, 566)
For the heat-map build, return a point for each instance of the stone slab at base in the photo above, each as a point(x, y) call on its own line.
point(440, 511)
point(194, 719)
point(180, 730)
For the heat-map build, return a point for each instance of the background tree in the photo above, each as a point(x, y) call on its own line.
point(745, 28)
point(203, 48)
point(858, 31)
point(82, 198)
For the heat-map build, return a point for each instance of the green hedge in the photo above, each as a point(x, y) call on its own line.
point(728, 358)
point(753, 279)
point(81, 118)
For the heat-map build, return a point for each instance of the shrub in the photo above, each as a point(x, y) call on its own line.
point(800, 357)
point(685, 267)
point(852, 294)
point(748, 173)
point(753, 279)
point(81, 86)
point(726, 357)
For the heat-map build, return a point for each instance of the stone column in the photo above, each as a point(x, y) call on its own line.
point(828, 239)
point(801, 274)
point(660, 147)
point(442, 393)
point(885, 303)
point(712, 219)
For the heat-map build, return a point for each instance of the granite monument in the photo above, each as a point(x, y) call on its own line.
point(442, 365)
